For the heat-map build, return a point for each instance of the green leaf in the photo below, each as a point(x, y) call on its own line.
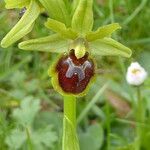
point(102, 32)
point(57, 10)
point(93, 138)
point(53, 43)
point(16, 3)
point(82, 20)
point(70, 133)
point(26, 113)
point(24, 26)
point(44, 138)
point(108, 46)
point(60, 28)
point(16, 139)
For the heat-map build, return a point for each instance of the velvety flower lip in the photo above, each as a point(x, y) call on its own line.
point(73, 76)
point(25, 24)
point(136, 74)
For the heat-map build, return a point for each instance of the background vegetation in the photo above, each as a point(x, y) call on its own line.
point(31, 111)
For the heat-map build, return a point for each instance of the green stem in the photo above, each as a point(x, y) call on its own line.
point(70, 141)
point(70, 109)
point(139, 116)
point(111, 10)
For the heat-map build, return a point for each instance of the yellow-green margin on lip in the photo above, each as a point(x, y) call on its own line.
point(54, 78)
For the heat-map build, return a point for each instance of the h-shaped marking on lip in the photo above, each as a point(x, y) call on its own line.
point(79, 70)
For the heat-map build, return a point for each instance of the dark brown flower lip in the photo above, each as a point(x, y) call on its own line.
point(74, 74)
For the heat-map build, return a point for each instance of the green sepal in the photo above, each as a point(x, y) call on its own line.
point(60, 28)
point(52, 43)
point(16, 3)
point(102, 32)
point(54, 79)
point(57, 10)
point(24, 26)
point(82, 20)
point(75, 5)
point(108, 46)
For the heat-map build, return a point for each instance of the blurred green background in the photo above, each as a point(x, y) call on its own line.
point(31, 111)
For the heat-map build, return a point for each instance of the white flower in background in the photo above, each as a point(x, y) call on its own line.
point(136, 74)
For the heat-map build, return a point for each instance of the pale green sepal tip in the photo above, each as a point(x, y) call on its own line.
point(109, 47)
point(101, 32)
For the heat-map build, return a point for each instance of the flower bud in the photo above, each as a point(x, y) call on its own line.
point(136, 74)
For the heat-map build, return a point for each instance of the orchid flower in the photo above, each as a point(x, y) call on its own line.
point(74, 39)
point(77, 34)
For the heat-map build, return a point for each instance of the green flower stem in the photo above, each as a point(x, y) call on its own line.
point(70, 109)
point(139, 116)
point(70, 140)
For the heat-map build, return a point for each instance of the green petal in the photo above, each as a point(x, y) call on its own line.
point(16, 3)
point(60, 28)
point(102, 32)
point(57, 9)
point(53, 43)
point(108, 46)
point(24, 26)
point(82, 20)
